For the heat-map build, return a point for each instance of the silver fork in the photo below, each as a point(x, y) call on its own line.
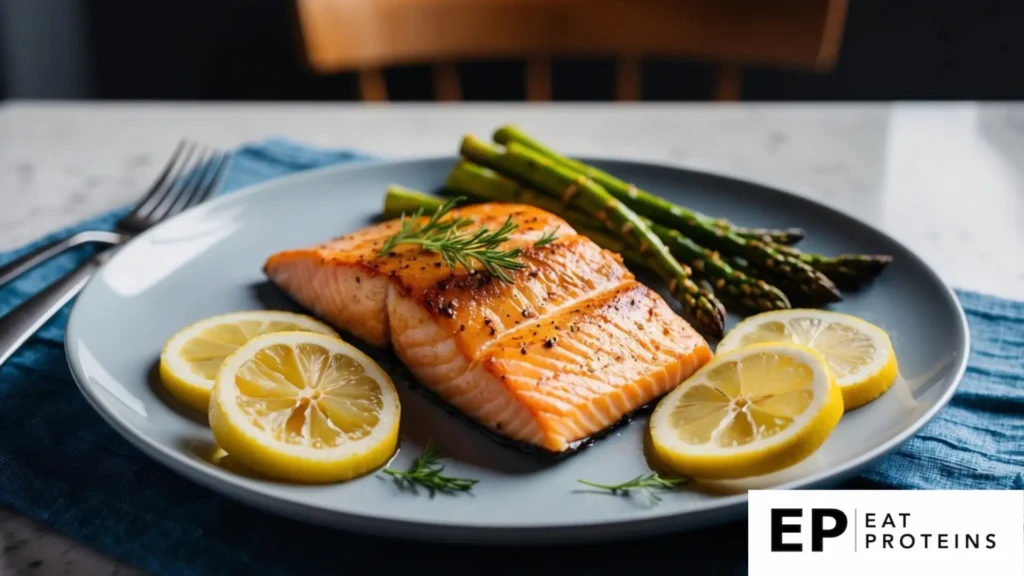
point(190, 177)
point(134, 222)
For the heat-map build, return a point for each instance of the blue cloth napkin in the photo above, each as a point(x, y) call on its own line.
point(977, 440)
point(61, 465)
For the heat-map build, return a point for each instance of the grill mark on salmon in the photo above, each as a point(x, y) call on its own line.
point(572, 345)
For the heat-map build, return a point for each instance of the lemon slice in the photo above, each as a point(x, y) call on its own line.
point(304, 407)
point(859, 353)
point(191, 358)
point(748, 412)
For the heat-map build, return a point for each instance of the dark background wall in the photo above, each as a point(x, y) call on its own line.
point(246, 49)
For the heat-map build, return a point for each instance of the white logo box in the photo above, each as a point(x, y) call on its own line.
point(902, 532)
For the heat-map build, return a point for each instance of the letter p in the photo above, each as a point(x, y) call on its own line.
point(818, 531)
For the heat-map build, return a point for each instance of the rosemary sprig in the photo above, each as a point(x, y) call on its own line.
point(546, 239)
point(456, 247)
point(427, 472)
point(649, 484)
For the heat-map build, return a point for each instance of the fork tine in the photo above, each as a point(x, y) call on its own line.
point(176, 185)
point(191, 182)
point(217, 169)
point(160, 186)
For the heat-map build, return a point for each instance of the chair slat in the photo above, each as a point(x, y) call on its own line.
point(447, 86)
point(372, 86)
point(629, 79)
point(728, 83)
point(538, 79)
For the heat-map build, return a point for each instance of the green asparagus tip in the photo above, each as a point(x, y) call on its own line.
point(787, 236)
point(401, 200)
point(504, 134)
point(473, 148)
point(399, 189)
point(508, 133)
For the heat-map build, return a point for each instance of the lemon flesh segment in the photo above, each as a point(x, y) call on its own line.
point(304, 407)
point(191, 358)
point(749, 412)
point(860, 354)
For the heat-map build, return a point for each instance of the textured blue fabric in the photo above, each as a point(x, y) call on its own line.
point(977, 441)
point(62, 465)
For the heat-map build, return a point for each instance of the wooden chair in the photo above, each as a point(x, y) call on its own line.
point(368, 35)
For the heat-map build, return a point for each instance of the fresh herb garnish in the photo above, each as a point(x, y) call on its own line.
point(457, 247)
point(648, 484)
point(427, 472)
point(546, 239)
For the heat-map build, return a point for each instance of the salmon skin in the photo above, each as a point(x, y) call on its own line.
point(568, 348)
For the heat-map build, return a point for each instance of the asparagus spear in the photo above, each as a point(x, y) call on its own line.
point(848, 271)
point(401, 200)
point(796, 278)
point(632, 196)
point(741, 265)
point(577, 190)
point(755, 295)
point(777, 236)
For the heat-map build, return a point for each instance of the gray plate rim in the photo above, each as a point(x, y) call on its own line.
point(729, 507)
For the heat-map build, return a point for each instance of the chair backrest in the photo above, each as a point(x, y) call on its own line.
point(367, 35)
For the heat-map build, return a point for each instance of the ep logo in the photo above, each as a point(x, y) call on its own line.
point(857, 532)
point(823, 523)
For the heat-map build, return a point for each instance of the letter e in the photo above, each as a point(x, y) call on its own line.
point(779, 528)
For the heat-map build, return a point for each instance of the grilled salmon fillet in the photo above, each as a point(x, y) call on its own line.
point(572, 345)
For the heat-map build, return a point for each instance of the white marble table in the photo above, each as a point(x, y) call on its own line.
point(946, 179)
